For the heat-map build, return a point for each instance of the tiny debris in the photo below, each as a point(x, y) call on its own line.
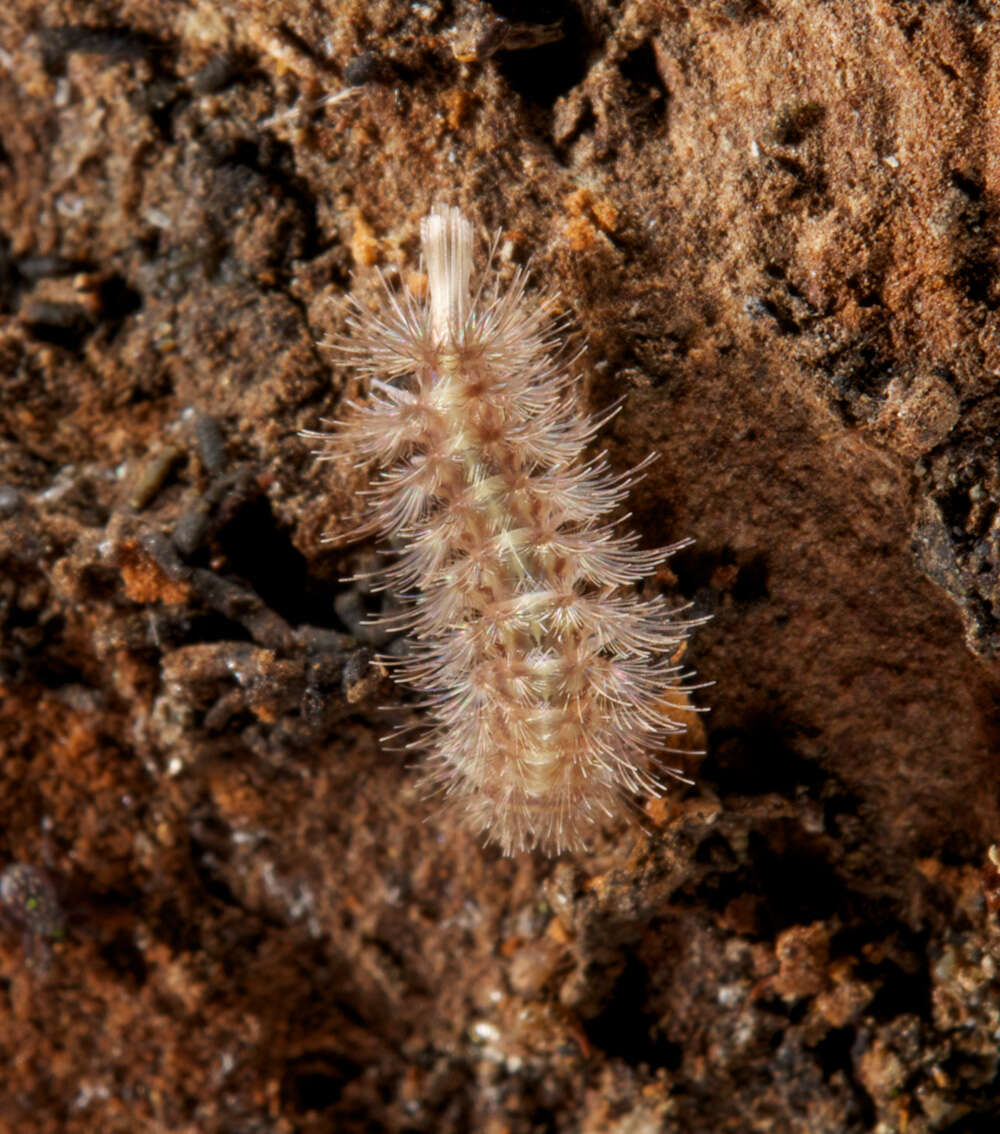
point(218, 73)
point(11, 500)
point(360, 678)
point(210, 442)
point(44, 267)
point(153, 475)
point(991, 879)
point(368, 67)
point(486, 34)
point(28, 900)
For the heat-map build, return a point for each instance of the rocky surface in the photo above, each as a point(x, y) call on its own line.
point(226, 907)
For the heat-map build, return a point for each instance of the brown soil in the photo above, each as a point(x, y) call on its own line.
point(776, 225)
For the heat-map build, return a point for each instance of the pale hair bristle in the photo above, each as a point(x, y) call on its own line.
point(551, 689)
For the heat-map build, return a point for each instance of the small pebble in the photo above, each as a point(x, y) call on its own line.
point(11, 500)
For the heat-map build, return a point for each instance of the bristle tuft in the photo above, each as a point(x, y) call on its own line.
point(447, 241)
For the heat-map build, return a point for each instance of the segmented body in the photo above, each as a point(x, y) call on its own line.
point(550, 687)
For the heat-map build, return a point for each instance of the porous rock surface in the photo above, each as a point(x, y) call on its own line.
point(775, 223)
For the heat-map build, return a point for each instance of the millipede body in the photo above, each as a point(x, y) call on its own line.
point(550, 687)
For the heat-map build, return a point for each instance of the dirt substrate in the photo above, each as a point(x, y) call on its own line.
point(775, 223)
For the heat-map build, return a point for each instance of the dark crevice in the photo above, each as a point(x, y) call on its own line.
point(791, 876)
point(793, 125)
point(258, 551)
point(972, 186)
point(744, 577)
point(976, 269)
point(316, 1081)
point(760, 307)
point(65, 325)
point(113, 42)
point(540, 75)
point(215, 886)
point(904, 981)
point(985, 1121)
point(859, 374)
point(651, 97)
point(624, 1030)
point(835, 1055)
point(105, 303)
point(179, 933)
point(273, 163)
point(123, 956)
point(795, 878)
point(760, 758)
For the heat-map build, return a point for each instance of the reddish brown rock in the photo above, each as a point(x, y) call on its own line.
point(775, 223)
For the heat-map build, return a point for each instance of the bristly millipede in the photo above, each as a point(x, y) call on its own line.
point(550, 687)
